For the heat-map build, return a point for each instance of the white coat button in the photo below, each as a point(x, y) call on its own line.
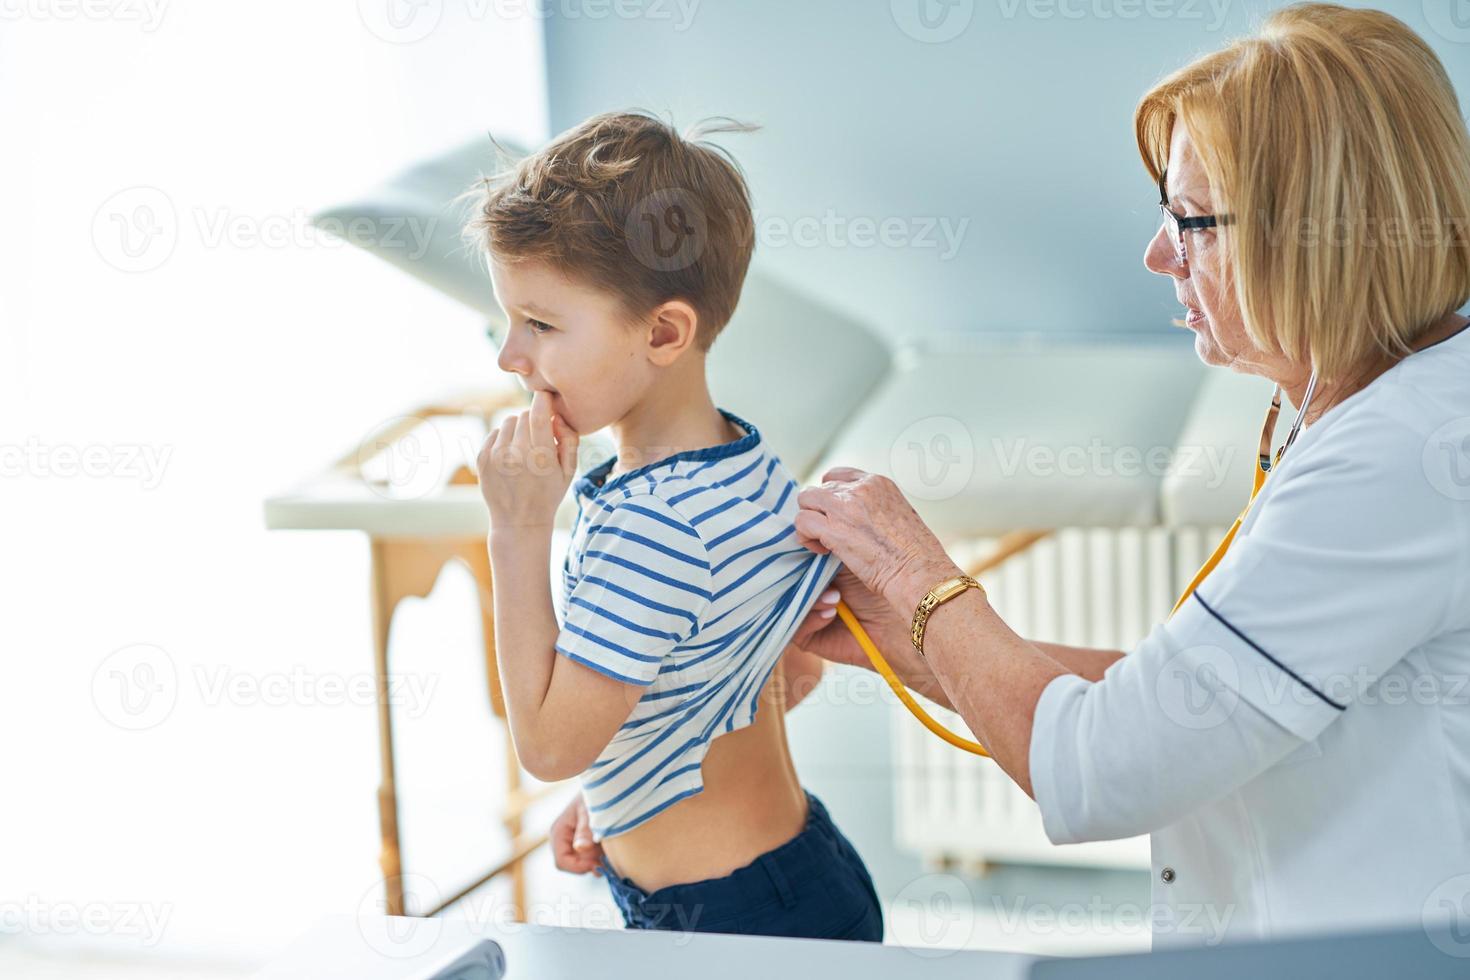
point(1167, 875)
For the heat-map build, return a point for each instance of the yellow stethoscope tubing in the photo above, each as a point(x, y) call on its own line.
point(881, 666)
point(1222, 547)
point(1263, 467)
point(1264, 464)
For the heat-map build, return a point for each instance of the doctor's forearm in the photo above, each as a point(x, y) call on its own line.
point(892, 638)
point(924, 683)
point(1087, 662)
point(991, 676)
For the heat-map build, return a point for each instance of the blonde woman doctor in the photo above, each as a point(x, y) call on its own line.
point(1296, 735)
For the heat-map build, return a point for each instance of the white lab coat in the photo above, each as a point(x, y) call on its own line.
point(1297, 737)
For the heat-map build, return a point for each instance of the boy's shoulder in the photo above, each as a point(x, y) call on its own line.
point(693, 497)
point(657, 504)
point(715, 495)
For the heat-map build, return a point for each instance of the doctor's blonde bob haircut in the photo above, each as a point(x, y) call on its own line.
point(1334, 146)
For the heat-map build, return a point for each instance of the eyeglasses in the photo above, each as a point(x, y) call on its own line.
point(1178, 224)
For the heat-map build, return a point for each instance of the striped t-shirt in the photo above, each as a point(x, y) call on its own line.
point(684, 577)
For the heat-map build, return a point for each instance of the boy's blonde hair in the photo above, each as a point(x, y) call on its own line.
point(625, 203)
point(1333, 141)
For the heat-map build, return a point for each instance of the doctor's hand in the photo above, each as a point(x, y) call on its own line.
point(827, 636)
point(526, 466)
point(572, 847)
point(865, 520)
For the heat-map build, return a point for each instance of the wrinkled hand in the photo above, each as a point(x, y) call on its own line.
point(526, 466)
point(572, 847)
point(865, 520)
point(823, 634)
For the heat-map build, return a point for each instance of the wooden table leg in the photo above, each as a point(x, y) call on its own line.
point(403, 567)
point(389, 858)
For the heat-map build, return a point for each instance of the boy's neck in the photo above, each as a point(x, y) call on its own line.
point(672, 419)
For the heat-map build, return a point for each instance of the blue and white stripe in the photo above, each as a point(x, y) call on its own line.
point(684, 577)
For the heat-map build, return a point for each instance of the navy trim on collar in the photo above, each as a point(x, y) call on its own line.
point(590, 485)
point(1450, 336)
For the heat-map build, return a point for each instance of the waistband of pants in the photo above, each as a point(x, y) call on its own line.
point(766, 879)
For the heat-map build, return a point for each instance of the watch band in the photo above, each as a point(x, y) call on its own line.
point(937, 596)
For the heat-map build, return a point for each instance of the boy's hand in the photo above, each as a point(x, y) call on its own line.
point(526, 466)
point(571, 840)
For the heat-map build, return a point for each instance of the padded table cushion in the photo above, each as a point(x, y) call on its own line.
point(1223, 436)
point(990, 439)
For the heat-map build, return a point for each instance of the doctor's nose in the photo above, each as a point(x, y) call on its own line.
point(1162, 256)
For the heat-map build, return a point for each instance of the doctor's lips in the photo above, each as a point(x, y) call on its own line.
point(1193, 316)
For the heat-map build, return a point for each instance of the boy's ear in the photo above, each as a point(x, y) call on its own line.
point(673, 329)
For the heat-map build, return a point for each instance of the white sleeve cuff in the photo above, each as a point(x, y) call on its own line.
point(1054, 719)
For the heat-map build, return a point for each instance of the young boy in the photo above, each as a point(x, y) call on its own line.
point(618, 254)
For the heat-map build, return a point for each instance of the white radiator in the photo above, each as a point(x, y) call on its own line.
point(1087, 587)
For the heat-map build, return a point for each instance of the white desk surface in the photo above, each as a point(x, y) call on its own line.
point(384, 948)
point(404, 491)
point(331, 503)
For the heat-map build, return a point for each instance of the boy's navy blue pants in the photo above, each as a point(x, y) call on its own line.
point(814, 886)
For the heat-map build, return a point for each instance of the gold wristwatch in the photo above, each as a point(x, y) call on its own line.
point(938, 595)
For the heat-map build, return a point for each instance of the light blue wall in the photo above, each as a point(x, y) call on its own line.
point(1020, 125)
